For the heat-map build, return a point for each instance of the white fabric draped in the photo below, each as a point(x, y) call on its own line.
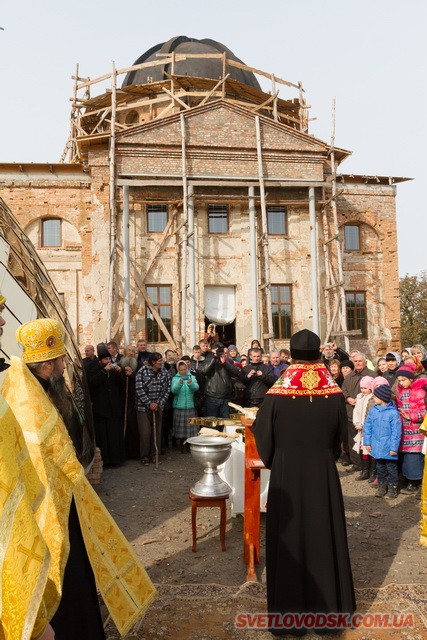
point(220, 304)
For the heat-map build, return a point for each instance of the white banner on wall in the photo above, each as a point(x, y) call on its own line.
point(220, 304)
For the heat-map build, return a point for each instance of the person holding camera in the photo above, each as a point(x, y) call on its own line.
point(184, 385)
point(219, 374)
point(257, 378)
point(330, 351)
point(113, 350)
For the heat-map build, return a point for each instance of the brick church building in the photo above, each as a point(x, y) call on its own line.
point(188, 194)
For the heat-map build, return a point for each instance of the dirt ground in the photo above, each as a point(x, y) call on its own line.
point(152, 508)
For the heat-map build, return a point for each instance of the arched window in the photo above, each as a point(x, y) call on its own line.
point(132, 117)
point(352, 237)
point(51, 232)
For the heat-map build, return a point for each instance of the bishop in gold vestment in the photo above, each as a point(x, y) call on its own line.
point(57, 481)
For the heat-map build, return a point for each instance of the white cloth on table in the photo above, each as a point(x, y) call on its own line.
point(232, 471)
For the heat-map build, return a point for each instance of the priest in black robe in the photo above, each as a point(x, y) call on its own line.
point(298, 432)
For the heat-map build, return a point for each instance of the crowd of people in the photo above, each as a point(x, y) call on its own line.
point(386, 406)
point(143, 401)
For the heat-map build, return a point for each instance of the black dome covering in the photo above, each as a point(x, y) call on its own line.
point(196, 68)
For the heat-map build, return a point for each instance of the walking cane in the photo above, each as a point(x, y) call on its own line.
point(155, 439)
point(126, 407)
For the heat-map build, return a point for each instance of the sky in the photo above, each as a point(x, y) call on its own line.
point(367, 54)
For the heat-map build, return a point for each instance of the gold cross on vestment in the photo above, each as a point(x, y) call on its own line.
point(18, 440)
point(8, 490)
point(31, 554)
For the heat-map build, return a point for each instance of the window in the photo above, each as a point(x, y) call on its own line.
point(51, 233)
point(281, 303)
point(276, 221)
point(351, 237)
point(356, 311)
point(161, 297)
point(132, 117)
point(157, 217)
point(217, 218)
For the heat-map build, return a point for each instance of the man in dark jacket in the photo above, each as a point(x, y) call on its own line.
point(90, 357)
point(219, 374)
point(107, 393)
point(113, 350)
point(143, 354)
point(257, 378)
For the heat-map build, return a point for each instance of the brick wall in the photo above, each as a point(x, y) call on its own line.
point(220, 141)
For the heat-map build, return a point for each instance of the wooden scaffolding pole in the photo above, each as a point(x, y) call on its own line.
point(341, 291)
point(336, 313)
point(327, 270)
point(165, 233)
point(184, 266)
point(70, 147)
point(265, 246)
point(112, 203)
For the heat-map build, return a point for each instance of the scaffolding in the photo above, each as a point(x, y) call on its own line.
point(335, 303)
point(93, 118)
point(97, 119)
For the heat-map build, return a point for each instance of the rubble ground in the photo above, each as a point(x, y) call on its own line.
point(153, 510)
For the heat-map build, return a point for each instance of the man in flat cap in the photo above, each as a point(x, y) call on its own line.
point(87, 550)
point(298, 432)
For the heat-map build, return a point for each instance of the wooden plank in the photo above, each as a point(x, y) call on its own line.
point(187, 56)
point(240, 65)
point(265, 245)
point(155, 313)
point(106, 112)
point(216, 87)
point(162, 240)
point(112, 203)
point(119, 72)
point(175, 97)
point(353, 332)
point(129, 105)
point(179, 57)
point(163, 112)
point(265, 103)
point(149, 183)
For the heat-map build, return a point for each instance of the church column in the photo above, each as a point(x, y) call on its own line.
point(252, 264)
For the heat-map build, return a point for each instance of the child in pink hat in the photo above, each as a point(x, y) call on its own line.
point(364, 402)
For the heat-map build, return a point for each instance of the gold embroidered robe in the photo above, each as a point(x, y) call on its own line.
point(124, 584)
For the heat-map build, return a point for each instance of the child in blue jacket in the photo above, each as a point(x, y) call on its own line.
point(382, 433)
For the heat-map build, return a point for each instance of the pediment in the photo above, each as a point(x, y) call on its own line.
point(221, 125)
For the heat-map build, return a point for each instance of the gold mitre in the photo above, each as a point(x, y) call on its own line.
point(42, 340)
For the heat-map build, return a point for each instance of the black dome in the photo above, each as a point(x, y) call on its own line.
point(196, 68)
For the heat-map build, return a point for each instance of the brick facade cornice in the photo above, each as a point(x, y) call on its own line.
point(215, 105)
